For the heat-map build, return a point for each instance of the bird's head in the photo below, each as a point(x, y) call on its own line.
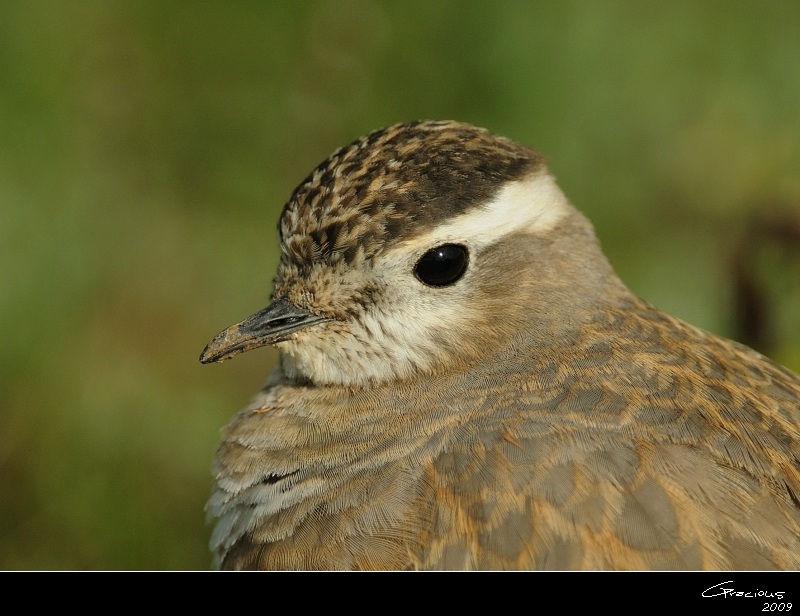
point(420, 248)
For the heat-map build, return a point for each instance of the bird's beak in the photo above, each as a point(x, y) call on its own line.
point(273, 324)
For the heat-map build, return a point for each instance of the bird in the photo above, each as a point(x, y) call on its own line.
point(464, 383)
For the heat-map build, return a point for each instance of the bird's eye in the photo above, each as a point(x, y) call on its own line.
point(442, 265)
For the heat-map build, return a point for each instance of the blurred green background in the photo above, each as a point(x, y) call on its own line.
point(146, 149)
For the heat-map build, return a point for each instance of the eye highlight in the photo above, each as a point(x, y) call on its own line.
point(443, 265)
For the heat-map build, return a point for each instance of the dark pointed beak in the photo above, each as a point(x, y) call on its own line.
point(273, 324)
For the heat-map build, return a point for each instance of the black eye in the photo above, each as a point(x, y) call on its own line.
point(442, 265)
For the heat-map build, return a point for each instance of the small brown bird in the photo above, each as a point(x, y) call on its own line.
point(465, 383)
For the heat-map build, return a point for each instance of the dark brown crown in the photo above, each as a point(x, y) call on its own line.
point(394, 182)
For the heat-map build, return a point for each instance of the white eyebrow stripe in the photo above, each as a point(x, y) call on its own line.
point(534, 204)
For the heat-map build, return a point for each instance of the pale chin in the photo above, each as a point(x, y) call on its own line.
point(323, 367)
point(307, 363)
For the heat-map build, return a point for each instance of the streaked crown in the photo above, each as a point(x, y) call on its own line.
point(395, 182)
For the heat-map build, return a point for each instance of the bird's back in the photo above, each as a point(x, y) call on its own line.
point(639, 442)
